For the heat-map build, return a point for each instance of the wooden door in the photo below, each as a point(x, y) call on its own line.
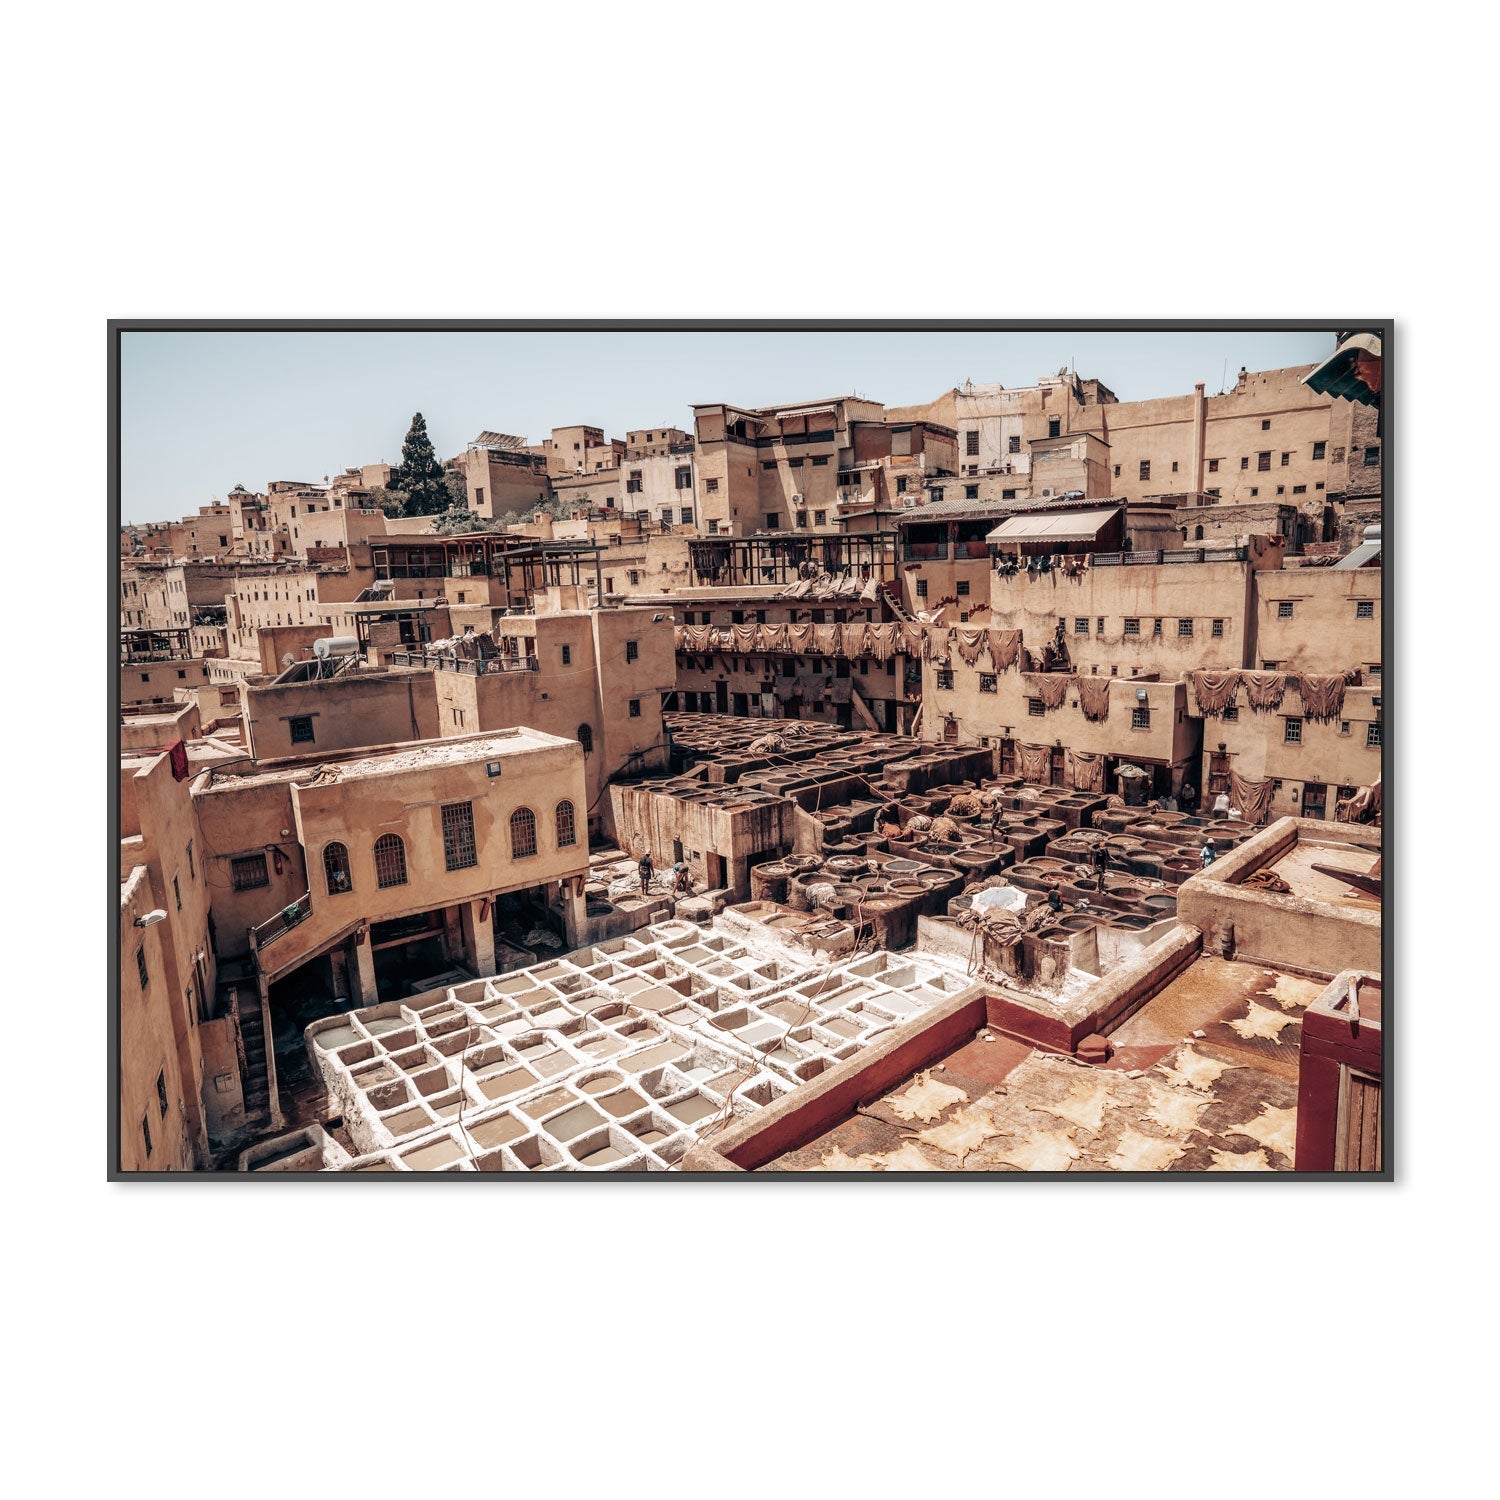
point(1357, 1140)
point(1314, 800)
point(1218, 775)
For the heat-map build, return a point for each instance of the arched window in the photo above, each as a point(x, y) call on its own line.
point(390, 860)
point(522, 833)
point(336, 869)
point(1197, 533)
point(586, 739)
point(567, 833)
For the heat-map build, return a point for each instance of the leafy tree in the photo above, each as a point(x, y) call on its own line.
point(419, 475)
point(458, 489)
point(459, 519)
point(392, 502)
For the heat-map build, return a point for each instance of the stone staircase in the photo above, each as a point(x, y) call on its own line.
point(255, 1075)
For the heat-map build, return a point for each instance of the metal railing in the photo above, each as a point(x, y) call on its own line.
point(473, 667)
point(284, 920)
point(1161, 556)
point(923, 551)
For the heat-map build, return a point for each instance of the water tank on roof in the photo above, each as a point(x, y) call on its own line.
point(334, 645)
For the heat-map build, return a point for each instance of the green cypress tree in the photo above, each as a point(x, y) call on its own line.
point(419, 476)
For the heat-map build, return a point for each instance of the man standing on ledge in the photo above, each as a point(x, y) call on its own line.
point(647, 869)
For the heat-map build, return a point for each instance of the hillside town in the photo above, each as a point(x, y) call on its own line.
point(986, 784)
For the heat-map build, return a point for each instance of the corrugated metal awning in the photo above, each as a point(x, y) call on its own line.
point(1059, 526)
point(1352, 371)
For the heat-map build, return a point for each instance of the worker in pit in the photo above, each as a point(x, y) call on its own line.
point(646, 870)
point(682, 879)
point(1209, 854)
point(1101, 863)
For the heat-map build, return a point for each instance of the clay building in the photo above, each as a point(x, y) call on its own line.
point(154, 1132)
point(1102, 664)
point(501, 476)
point(1269, 439)
point(596, 676)
point(890, 467)
point(658, 484)
point(368, 874)
point(579, 450)
point(759, 469)
point(177, 1051)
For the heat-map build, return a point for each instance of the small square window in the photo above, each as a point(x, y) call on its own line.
point(1286, 458)
point(248, 872)
point(921, 588)
point(1156, 627)
point(1117, 471)
point(945, 678)
point(1344, 726)
point(1293, 732)
point(635, 708)
point(1231, 714)
point(1184, 627)
point(971, 492)
point(1372, 735)
point(1132, 627)
point(961, 587)
point(1213, 466)
point(710, 486)
point(1263, 462)
point(1218, 629)
point(1319, 449)
point(1372, 458)
point(632, 650)
point(1080, 627)
point(988, 683)
point(1035, 708)
point(1145, 468)
point(1265, 425)
point(1284, 609)
point(301, 726)
point(1245, 463)
point(1140, 717)
point(1364, 609)
point(1101, 625)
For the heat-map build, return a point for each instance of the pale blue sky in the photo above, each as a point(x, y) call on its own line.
point(202, 412)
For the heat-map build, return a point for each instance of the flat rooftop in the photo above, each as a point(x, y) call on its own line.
point(1169, 1100)
point(393, 759)
point(1298, 868)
